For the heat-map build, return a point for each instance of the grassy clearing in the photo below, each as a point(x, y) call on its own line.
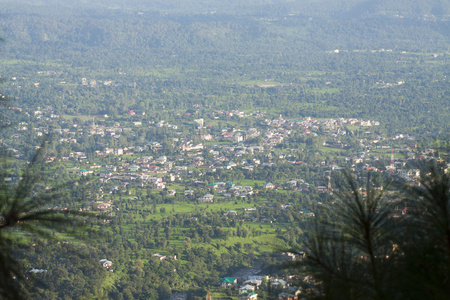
point(219, 293)
point(222, 204)
point(164, 73)
point(353, 127)
point(211, 143)
point(47, 63)
point(324, 90)
point(330, 150)
point(81, 118)
point(260, 83)
point(250, 182)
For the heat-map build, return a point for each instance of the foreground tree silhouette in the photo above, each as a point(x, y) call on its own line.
point(23, 209)
point(425, 240)
point(27, 209)
point(360, 248)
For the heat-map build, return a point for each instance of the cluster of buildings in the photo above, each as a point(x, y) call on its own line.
point(309, 123)
point(248, 289)
point(198, 155)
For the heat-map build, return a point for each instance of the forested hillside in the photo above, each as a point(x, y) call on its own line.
point(214, 58)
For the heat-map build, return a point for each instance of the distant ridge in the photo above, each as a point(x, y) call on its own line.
point(405, 8)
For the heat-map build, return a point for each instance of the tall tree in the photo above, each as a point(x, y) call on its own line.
point(23, 208)
point(360, 248)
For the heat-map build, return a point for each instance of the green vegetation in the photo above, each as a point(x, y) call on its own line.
point(150, 99)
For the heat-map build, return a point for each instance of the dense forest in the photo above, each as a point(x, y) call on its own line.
point(376, 63)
